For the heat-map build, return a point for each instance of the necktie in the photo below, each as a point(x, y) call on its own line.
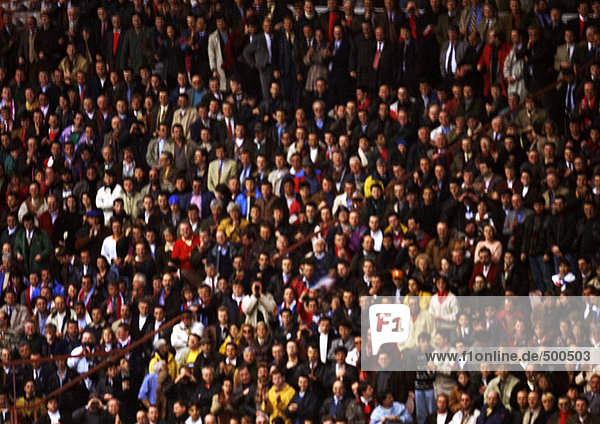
point(449, 64)
point(229, 128)
point(81, 93)
point(161, 116)
point(377, 57)
point(473, 22)
point(494, 64)
point(569, 104)
point(413, 26)
point(332, 19)
point(31, 47)
point(115, 41)
point(220, 171)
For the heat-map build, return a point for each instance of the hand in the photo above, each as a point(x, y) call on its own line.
point(523, 257)
point(353, 74)
point(293, 407)
point(276, 74)
point(21, 61)
point(37, 258)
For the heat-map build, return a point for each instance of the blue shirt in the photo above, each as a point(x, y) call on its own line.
point(148, 388)
point(397, 409)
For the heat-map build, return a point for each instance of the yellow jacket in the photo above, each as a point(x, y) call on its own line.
point(277, 409)
point(172, 366)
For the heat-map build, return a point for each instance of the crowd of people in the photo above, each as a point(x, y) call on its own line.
point(159, 158)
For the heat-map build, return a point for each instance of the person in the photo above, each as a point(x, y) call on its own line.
point(277, 398)
point(389, 410)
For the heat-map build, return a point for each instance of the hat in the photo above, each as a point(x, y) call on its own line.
point(173, 199)
point(94, 213)
point(401, 141)
point(306, 162)
point(397, 273)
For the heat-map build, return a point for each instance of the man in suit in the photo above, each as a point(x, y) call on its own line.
point(220, 169)
point(538, 56)
point(163, 113)
point(362, 56)
point(442, 413)
point(410, 63)
point(262, 54)
point(289, 64)
point(185, 115)
point(515, 220)
point(565, 53)
point(580, 24)
point(340, 370)
point(18, 314)
point(158, 144)
point(32, 247)
point(452, 53)
point(338, 76)
point(446, 20)
point(82, 267)
point(383, 61)
point(113, 44)
point(305, 403)
point(340, 405)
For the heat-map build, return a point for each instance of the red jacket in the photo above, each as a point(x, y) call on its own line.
point(491, 276)
point(485, 63)
point(182, 251)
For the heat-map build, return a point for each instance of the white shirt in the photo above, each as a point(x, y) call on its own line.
point(441, 418)
point(452, 59)
point(269, 41)
point(54, 417)
point(323, 347)
point(377, 240)
point(142, 322)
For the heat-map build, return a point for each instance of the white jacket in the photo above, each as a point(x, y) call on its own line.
point(105, 198)
point(179, 336)
point(252, 304)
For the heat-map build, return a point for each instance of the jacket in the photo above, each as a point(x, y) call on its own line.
point(172, 367)
point(252, 304)
point(40, 245)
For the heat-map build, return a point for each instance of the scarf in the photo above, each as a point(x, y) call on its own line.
point(119, 301)
point(86, 299)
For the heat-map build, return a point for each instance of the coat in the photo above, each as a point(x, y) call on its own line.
point(485, 62)
point(460, 52)
point(513, 66)
point(252, 304)
point(317, 66)
point(499, 415)
point(229, 170)
point(40, 245)
point(135, 50)
point(215, 58)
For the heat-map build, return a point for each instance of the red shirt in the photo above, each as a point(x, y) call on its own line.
point(182, 251)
